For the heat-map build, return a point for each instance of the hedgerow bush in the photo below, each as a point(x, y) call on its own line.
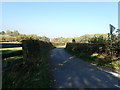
point(34, 49)
point(98, 45)
point(86, 48)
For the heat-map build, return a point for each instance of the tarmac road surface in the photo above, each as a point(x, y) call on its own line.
point(71, 72)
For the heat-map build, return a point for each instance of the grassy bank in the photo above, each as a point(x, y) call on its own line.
point(96, 59)
point(31, 72)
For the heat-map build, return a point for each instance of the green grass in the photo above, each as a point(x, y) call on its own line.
point(28, 73)
point(97, 60)
point(10, 50)
point(22, 75)
point(12, 58)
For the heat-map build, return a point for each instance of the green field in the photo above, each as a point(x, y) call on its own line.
point(12, 58)
point(10, 42)
point(10, 50)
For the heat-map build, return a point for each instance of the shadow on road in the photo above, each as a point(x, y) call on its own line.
point(70, 72)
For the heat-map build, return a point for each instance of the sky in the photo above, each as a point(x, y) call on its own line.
point(59, 19)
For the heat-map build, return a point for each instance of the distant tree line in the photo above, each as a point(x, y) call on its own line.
point(15, 36)
point(87, 37)
point(61, 40)
point(82, 39)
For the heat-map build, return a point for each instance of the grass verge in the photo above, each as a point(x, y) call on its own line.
point(29, 73)
point(21, 75)
point(97, 60)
